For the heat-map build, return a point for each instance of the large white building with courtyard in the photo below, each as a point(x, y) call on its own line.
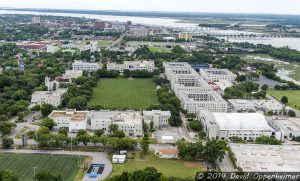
point(130, 122)
point(192, 90)
point(132, 65)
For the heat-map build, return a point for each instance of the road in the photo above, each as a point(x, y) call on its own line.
point(226, 165)
point(115, 42)
point(186, 134)
point(98, 157)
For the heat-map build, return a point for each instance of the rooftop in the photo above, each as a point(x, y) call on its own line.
point(74, 115)
point(239, 121)
point(276, 158)
point(169, 151)
point(128, 117)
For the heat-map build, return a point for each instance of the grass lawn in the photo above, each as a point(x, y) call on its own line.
point(159, 49)
point(104, 43)
point(174, 168)
point(292, 95)
point(65, 165)
point(121, 93)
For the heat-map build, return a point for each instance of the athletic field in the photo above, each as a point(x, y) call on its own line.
point(122, 93)
point(65, 165)
point(292, 95)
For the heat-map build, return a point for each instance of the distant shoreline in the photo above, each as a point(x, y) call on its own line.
point(158, 14)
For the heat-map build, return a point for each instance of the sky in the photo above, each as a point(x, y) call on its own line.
point(222, 6)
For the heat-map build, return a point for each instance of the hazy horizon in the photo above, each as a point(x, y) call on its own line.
point(187, 6)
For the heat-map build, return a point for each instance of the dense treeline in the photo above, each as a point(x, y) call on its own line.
point(23, 32)
point(281, 53)
point(168, 101)
point(212, 150)
point(138, 73)
point(244, 90)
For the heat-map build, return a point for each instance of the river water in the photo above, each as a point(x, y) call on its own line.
point(168, 22)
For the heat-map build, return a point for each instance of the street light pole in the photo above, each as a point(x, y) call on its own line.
point(34, 171)
point(36, 140)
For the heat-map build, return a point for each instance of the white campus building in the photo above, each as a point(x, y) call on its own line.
point(247, 126)
point(87, 66)
point(289, 126)
point(193, 92)
point(72, 74)
point(268, 106)
point(158, 117)
point(92, 47)
point(188, 82)
point(47, 97)
point(194, 101)
point(130, 122)
point(215, 75)
point(132, 65)
point(174, 68)
point(70, 119)
point(54, 83)
point(241, 105)
point(267, 158)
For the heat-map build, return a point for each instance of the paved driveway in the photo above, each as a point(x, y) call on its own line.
point(98, 157)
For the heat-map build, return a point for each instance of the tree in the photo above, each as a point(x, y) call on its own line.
point(284, 100)
point(264, 87)
point(215, 150)
point(78, 103)
point(95, 139)
point(149, 173)
point(81, 132)
point(120, 134)
point(21, 116)
point(6, 127)
point(151, 125)
point(196, 125)
point(190, 116)
point(47, 176)
point(8, 175)
point(46, 109)
point(49, 123)
point(175, 121)
point(7, 142)
point(99, 132)
point(63, 131)
point(267, 140)
point(113, 128)
point(145, 144)
point(84, 138)
point(291, 113)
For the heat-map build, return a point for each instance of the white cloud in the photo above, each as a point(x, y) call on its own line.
point(238, 6)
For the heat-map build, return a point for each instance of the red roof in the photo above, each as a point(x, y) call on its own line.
point(59, 79)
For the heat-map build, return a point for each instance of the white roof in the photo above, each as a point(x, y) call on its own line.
point(241, 121)
point(267, 158)
point(167, 137)
point(122, 157)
